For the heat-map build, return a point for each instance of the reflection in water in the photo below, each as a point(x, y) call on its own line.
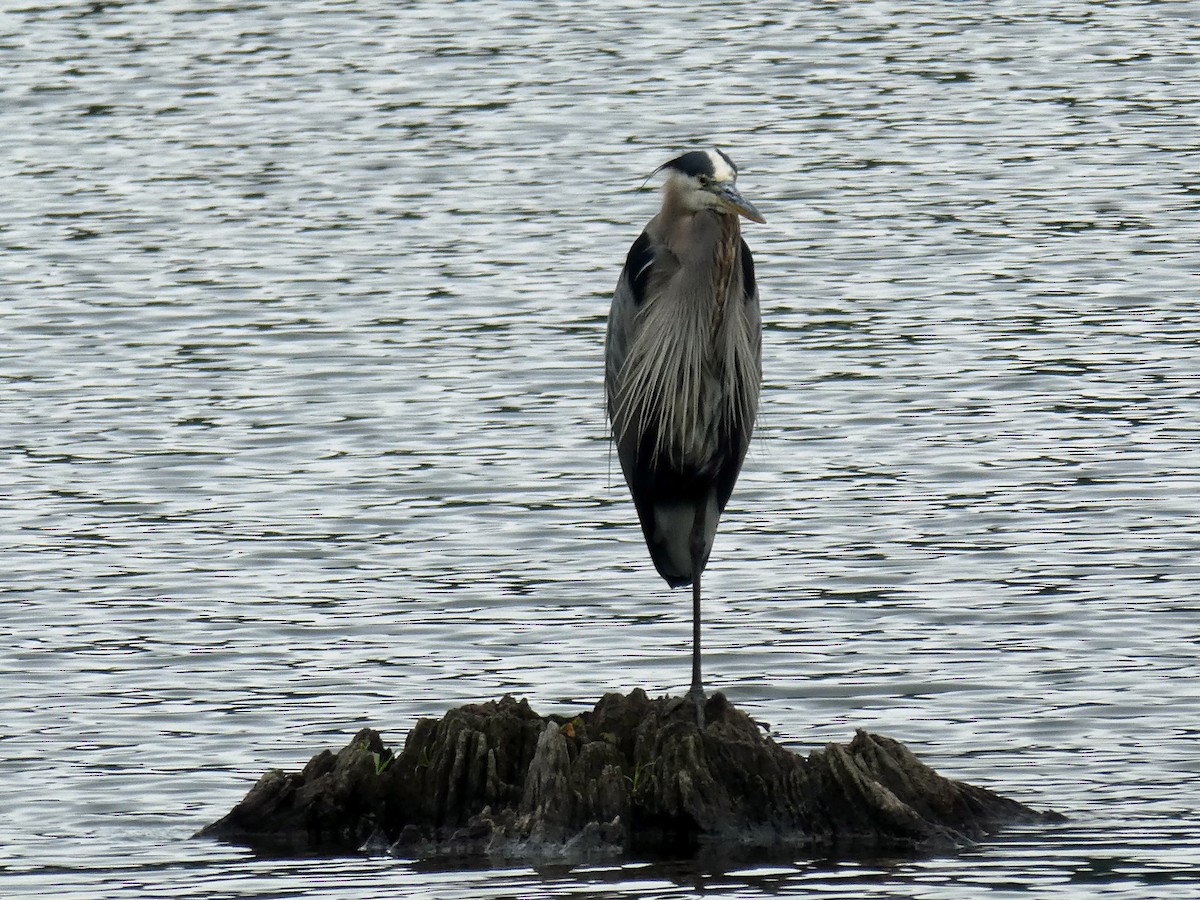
point(303, 426)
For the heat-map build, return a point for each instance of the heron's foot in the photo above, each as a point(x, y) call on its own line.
point(696, 695)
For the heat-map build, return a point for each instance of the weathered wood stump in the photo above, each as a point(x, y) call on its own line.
point(633, 775)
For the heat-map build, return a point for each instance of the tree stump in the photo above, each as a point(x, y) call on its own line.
point(632, 776)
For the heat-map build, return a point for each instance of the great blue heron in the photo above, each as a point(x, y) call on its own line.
point(683, 363)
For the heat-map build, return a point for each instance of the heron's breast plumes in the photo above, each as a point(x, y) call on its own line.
point(690, 380)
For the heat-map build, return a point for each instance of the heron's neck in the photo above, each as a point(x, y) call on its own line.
point(699, 237)
point(707, 244)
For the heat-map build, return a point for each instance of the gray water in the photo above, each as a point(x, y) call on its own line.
point(302, 429)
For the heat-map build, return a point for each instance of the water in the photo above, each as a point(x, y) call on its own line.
point(302, 426)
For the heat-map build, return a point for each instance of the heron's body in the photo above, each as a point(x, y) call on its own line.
point(683, 367)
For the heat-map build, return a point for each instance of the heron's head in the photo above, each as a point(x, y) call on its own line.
point(707, 179)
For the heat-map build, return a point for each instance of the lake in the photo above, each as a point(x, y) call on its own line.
point(303, 428)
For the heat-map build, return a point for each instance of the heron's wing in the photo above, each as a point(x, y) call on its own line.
point(737, 429)
point(639, 265)
point(669, 495)
point(749, 284)
point(647, 265)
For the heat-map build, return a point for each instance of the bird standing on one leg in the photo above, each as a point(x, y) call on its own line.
point(683, 364)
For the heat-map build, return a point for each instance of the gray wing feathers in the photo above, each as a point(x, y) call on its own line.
point(682, 399)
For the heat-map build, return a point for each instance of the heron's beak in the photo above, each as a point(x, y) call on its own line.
point(732, 197)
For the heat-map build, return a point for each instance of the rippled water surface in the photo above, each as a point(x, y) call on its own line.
point(302, 430)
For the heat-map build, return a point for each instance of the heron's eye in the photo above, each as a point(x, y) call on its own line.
point(704, 180)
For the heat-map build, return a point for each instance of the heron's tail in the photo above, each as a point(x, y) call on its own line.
point(668, 527)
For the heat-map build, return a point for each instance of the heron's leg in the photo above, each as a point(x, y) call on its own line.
point(696, 691)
